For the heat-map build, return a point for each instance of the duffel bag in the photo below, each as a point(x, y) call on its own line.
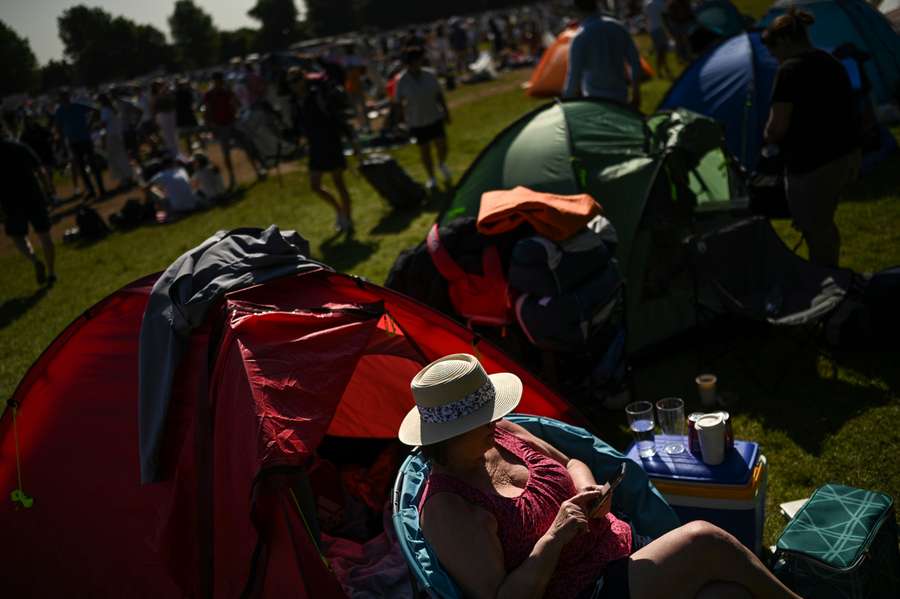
point(542, 267)
point(568, 322)
point(391, 182)
point(841, 544)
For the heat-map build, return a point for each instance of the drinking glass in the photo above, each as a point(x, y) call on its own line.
point(640, 421)
point(671, 419)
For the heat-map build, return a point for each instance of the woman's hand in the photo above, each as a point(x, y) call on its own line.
point(601, 507)
point(572, 519)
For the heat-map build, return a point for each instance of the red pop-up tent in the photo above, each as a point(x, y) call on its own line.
point(275, 370)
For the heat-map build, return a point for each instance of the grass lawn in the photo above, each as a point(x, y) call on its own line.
point(819, 418)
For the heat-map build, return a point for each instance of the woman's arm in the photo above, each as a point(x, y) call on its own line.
point(466, 542)
point(582, 477)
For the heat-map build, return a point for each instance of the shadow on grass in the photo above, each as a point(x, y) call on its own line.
point(343, 253)
point(398, 220)
point(12, 309)
point(878, 184)
point(779, 376)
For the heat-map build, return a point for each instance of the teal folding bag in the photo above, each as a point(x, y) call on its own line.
point(841, 544)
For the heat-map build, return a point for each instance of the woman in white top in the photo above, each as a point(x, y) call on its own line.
point(116, 154)
point(162, 104)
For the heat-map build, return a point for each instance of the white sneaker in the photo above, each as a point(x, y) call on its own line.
point(431, 185)
point(448, 176)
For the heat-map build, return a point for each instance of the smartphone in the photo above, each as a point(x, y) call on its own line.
point(613, 483)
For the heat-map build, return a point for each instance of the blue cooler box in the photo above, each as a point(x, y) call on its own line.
point(731, 495)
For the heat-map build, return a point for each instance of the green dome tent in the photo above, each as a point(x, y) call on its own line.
point(653, 176)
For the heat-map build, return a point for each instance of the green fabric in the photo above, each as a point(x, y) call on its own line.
point(841, 544)
point(621, 159)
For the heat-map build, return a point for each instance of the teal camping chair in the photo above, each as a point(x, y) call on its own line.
point(636, 499)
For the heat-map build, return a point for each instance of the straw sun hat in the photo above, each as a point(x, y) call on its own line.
point(455, 395)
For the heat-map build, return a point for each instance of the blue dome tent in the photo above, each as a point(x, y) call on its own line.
point(733, 82)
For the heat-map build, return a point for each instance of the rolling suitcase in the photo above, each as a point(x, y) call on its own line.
point(392, 182)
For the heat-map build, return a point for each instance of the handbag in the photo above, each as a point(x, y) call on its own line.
point(842, 544)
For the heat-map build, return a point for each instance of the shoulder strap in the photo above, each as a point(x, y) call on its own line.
point(444, 263)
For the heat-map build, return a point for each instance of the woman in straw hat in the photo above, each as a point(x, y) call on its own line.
point(509, 515)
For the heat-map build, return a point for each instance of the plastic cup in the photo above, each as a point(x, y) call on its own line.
point(711, 431)
point(706, 387)
point(640, 421)
point(670, 412)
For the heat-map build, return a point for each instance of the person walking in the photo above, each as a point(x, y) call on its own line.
point(812, 122)
point(421, 99)
point(116, 154)
point(72, 122)
point(324, 127)
point(598, 56)
point(40, 140)
point(221, 106)
point(24, 202)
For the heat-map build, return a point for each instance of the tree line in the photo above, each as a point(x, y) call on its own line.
point(99, 46)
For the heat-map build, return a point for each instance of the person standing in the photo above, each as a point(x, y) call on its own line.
point(116, 154)
point(221, 115)
point(598, 56)
point(24, 202)
point(812, 122)
point(73, 124)
point(185, 117)
point(653, 10)
point(324, 127)
point(421, 99)
point(40, 139)
point(162, 104)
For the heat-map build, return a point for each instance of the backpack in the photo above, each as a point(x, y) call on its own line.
point(543, 267)
point(842, 543)
point(571, 321)
point(479, 298)
point(90, 224)
point(132, 214)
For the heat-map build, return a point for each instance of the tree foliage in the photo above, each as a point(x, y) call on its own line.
point(279, 27)
point(56, 74)
point(239, 42)
point(104, 48)
point(195, 37)
point(20, 72)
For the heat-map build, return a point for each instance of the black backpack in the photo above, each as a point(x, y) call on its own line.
point(90, 224)
point(392, 182)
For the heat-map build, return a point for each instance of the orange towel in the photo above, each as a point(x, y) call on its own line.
point(553, 216)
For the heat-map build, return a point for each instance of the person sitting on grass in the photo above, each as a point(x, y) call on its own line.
point(206, 178)
point(169, 188)
point(24, 201)
point(510, 515)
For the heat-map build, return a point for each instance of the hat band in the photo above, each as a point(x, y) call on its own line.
point(460, 408)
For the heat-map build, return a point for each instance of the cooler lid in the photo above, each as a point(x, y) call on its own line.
point(735, 470)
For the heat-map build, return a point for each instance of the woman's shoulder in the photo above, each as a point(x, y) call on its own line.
point(452, 509)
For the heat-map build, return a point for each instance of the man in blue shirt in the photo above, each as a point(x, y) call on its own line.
point(598, 57)
point(73, 124)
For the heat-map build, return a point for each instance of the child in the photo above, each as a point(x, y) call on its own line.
point(206, 180)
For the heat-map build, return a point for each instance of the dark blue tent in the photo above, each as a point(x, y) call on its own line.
point(857, 22)
point(732, 83)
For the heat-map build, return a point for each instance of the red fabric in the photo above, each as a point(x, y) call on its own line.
point(522, 520)
point(89, 531)
point(553, 216)
point(220, 107)
point(480, 299)
point(286, 372)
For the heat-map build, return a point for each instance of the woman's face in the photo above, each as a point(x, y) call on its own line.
point(478, 439)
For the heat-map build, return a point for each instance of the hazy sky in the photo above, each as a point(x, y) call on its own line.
point(36, 19)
